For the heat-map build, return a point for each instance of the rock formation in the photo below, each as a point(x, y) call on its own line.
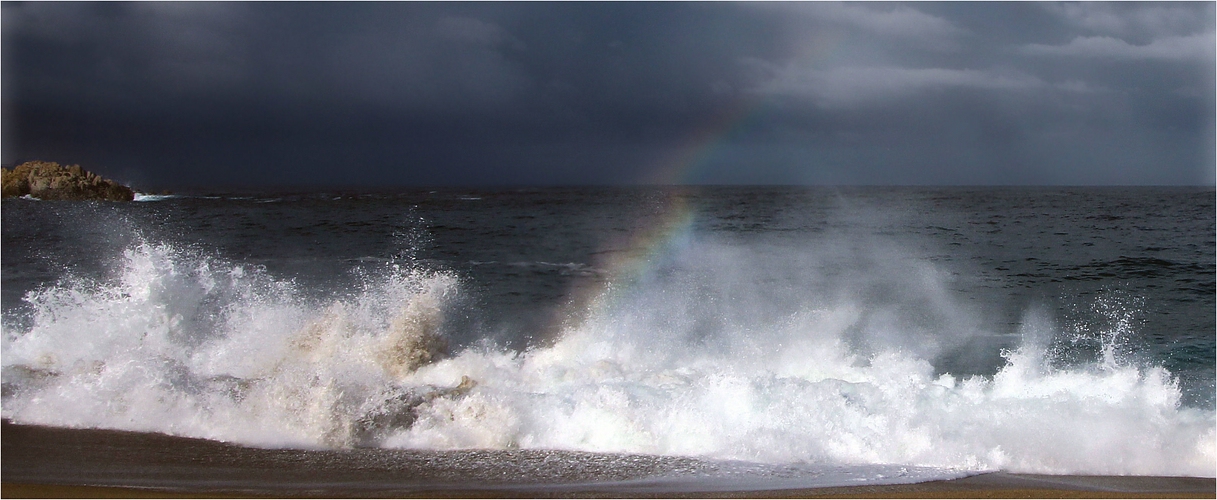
point(51, 181)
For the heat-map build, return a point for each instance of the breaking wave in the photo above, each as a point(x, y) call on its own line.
point(678, 362)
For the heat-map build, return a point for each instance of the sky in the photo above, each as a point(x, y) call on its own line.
point(385, 94)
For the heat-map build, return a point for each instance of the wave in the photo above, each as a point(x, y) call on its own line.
point(154, 197)
point(677, 362)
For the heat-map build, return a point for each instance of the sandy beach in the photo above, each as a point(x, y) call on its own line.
point(996, 485)
point(42, 462)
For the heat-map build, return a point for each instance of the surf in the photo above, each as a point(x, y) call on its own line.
point(719, 350)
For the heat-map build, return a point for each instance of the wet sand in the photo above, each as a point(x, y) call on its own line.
point(41, 462)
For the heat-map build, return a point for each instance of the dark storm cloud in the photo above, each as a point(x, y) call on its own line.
point(167, 94)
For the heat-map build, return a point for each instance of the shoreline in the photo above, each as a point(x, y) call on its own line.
point(49, 462)
point(990, 485)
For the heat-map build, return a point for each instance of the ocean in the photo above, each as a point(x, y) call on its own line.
point(675, 338)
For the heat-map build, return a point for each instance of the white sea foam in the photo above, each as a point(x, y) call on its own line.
point(672, 363)
point(153, 197)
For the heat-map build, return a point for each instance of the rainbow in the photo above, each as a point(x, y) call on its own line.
point(629, 259)
point(626, 261)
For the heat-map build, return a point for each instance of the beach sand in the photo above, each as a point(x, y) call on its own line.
point(43, 462)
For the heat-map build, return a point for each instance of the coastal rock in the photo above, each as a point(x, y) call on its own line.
point(51, 181)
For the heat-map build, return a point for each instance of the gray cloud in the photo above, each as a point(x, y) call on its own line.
point(900, 22)
point(1198, 48)
point(1137, 19)
point(848, 86)
point(475, 31)
point(174, 47)
point(509, 93)
point(450, 64)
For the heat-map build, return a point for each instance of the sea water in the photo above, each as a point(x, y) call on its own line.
point(827, 335)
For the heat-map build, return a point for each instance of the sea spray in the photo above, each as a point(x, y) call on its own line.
point(823, 406)
point(718, 351)
point(190, 345)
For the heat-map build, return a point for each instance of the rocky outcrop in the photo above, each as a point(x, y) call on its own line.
point(50, 181)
